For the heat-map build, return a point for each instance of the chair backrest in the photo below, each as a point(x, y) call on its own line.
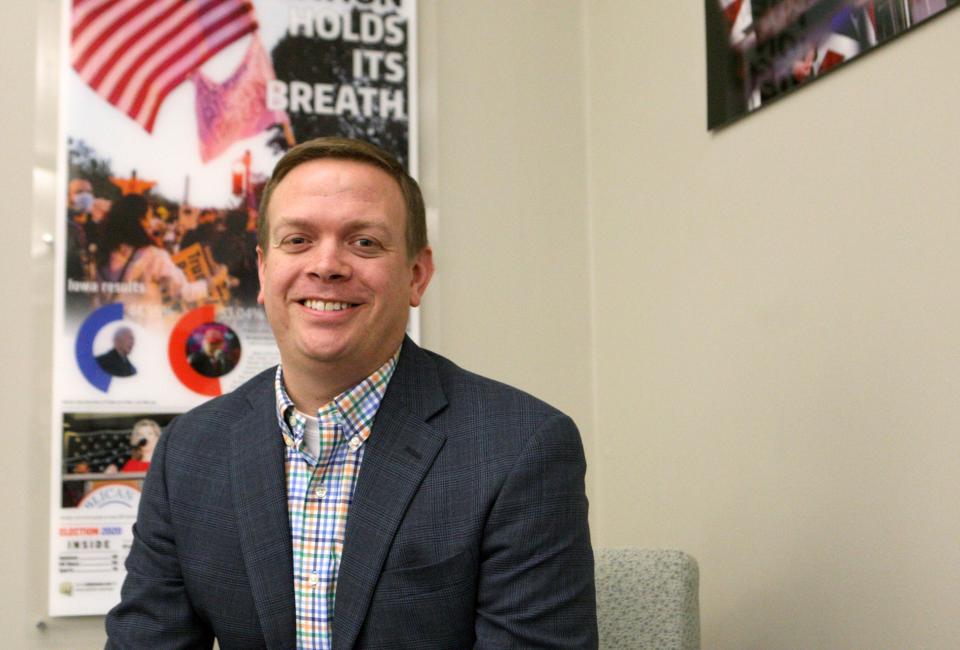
point(647, 599)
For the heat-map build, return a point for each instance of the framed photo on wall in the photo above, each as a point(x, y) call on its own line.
point(761, 50)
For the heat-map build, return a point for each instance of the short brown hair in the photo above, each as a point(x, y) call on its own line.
point(350, 149)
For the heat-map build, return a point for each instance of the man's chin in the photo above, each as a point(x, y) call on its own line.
point(323, 356)
point(320, 352)
point(336, 355)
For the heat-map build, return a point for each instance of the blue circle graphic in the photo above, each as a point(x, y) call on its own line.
point(95, 322)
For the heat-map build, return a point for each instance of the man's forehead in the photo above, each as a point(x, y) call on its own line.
point(354, 194)
point(331, 177)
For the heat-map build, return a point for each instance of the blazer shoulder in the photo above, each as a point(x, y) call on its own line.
point(470, 391)
point(223, 411)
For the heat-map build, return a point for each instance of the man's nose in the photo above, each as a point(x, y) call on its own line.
point(329, 261)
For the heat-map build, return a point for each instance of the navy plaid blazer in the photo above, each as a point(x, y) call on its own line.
point(468, 526)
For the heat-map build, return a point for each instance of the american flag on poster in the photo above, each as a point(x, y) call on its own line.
point(237, 108)
point(133, 53)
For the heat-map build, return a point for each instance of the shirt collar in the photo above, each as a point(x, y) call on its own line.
point(354, 408)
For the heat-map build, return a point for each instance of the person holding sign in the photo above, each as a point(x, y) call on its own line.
point(134, 270)
point(366, 493)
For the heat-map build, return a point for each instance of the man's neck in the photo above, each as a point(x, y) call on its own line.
point(311, 387)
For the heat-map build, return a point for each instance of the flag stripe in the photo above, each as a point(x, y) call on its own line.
point(98, 38)
point(149, 38)
point(82, 20)
point(189, 53)
point(161, 40)
point(128, 48)
point(133, 53)
point(180, 63)
point(160, 96)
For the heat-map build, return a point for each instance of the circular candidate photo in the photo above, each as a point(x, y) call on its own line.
point(116, 360)
point(213, 349)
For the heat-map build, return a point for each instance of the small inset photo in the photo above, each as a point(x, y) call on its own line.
point(213, 349)
point(104, 453)
point(116, 360)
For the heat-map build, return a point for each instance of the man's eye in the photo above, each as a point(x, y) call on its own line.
point(366, 243)
point(293, 243)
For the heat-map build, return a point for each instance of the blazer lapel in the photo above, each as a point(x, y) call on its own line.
point(260, 499)
point(400, 450)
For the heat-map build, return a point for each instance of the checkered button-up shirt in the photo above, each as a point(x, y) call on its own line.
point(319, 493)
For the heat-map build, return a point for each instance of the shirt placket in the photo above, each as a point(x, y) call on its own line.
point(321, 497)
point(320, 492)
point(299, 468)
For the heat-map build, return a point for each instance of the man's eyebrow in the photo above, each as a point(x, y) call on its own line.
point(350, 224)
point(366, 224)
point(292, 222)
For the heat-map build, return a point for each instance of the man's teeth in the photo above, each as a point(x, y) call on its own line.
point(320, 305)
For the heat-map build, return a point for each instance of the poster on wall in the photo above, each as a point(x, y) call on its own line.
point(172, 116)
point(761, 50)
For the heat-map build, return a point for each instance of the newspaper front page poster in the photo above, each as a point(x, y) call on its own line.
point(172, 116)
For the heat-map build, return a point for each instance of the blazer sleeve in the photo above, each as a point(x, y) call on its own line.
point(536, 583)
point(154, 609)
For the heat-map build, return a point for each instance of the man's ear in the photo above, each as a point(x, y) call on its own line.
point(261, 259)
point(422, 272)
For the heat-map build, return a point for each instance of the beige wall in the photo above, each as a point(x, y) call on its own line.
point(755, 329)
point(505, 159)
point(26, 296)
point(776, 333)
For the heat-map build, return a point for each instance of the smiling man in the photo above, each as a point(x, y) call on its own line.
point(366, 493)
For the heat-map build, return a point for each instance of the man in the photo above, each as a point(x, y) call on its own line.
point(116, 362)
point(367, 493)
point(210, 360)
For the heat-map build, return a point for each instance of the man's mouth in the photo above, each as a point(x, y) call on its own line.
point(326, 305)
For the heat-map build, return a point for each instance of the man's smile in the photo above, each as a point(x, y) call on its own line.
point(327, 305)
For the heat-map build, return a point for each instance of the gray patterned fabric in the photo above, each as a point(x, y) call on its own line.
point(647, 599)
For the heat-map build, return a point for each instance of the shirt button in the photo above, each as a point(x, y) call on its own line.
point(321, 491)
point(314, 579)
point(355, 443)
